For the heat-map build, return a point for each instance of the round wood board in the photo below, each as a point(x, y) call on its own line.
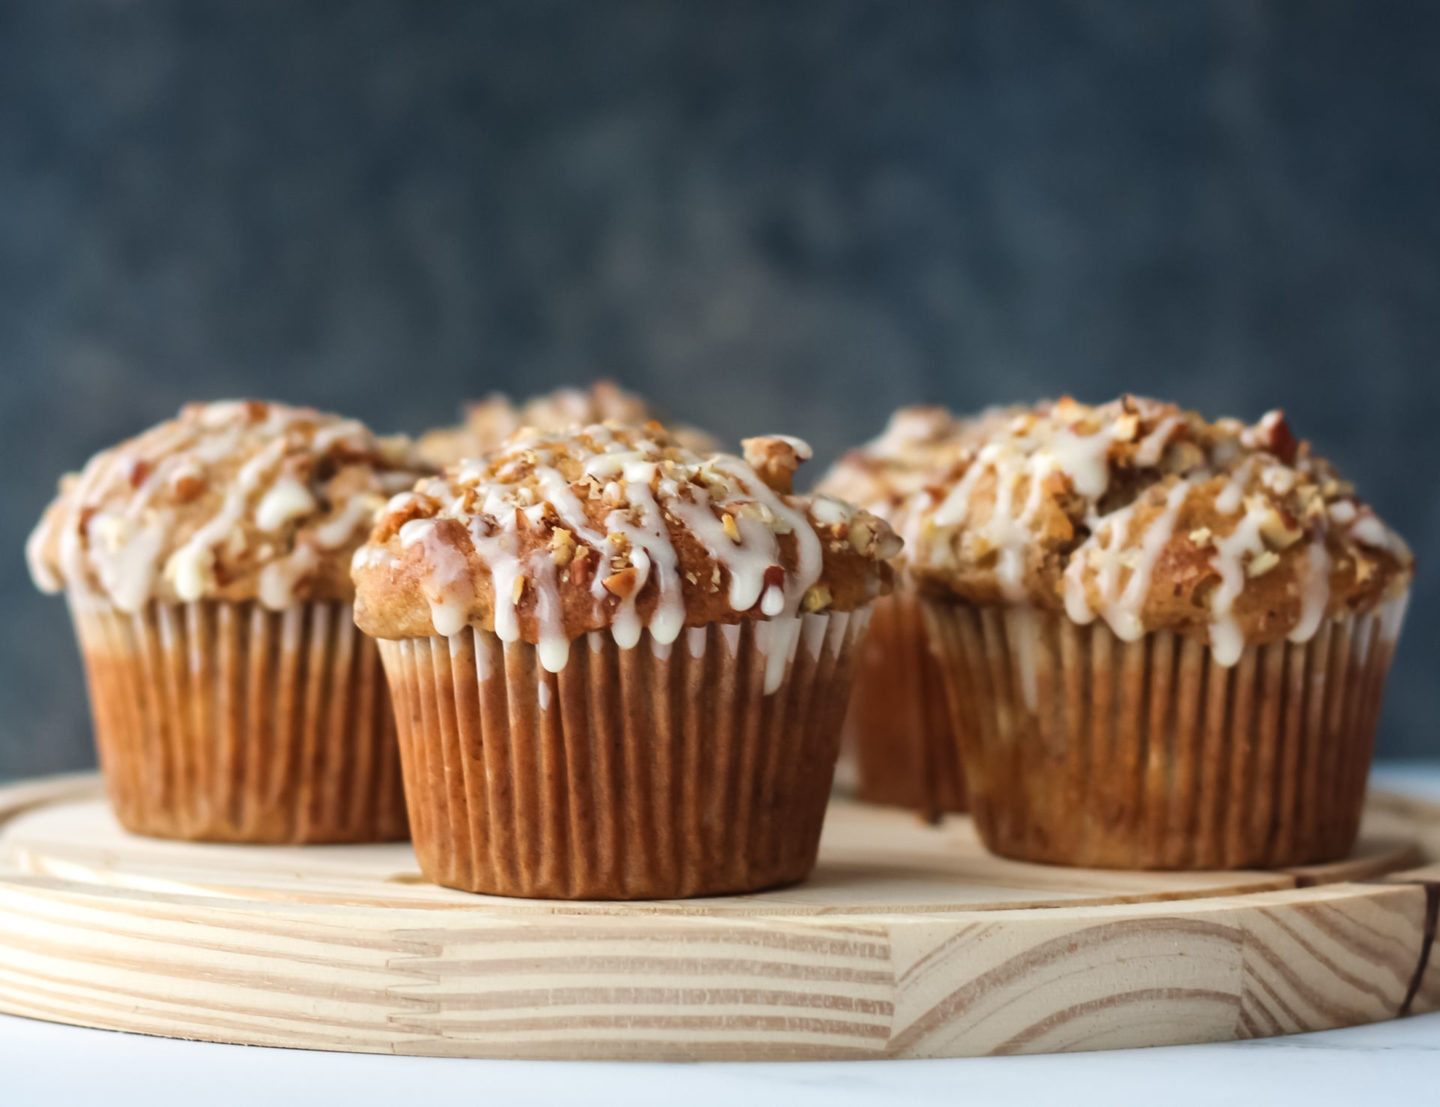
point(910, 941)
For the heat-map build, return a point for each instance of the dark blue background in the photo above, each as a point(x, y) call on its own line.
point(769, 216)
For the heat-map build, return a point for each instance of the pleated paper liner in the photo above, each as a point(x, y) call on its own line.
point(643, 773)
point(898, 725)
point(228, 722)
point(1083, 749)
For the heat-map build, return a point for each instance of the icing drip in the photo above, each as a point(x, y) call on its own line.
point(651, 546)
point(553, 647)
point(127, 569)
point(287, 499)
point(1122, 612)
point(1227, 640)
point(351, 522)
point(447, 585)
point(745, 561)
point(1230, 497)
point(1370, 531)
point(1152, 447)
point(349, 431)
point(1316, 597)
point(279, 578)
point(191, 568)
point(1084, 459)
point(1101, 552)
point(955, 507)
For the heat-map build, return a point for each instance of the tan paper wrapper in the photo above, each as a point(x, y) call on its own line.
point(898, 725)
point(645, 773)
point(1148, 754)
point(227, 722)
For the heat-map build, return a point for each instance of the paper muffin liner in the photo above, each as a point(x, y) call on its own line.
point(228, 722)
point(1083, 749)
point(898, 726)
point(644, 773)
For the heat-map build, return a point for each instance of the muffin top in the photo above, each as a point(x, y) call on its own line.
point(920, 451)
point(489, 422)
point(236, 500)
point(1153, 518)
point(551, 536)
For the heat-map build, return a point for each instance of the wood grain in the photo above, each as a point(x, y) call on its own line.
point(910, 942)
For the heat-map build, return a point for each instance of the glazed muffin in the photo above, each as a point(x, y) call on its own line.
point(207, 568)
point(619, 666)
point(489, 422)
point(1164, 639)
point(898, 726)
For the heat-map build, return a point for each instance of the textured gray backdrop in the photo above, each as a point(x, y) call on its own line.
point(770, 216)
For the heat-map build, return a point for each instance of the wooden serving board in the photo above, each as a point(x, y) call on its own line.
point(910, 941)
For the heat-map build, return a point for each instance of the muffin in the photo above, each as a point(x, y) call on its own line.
point(1164, 639)
point(207, 568)
point(898, 726)
point(619, 666)
point(490, 421)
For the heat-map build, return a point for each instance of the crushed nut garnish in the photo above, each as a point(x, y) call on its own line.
point(622, 584)
point(816, 598)
point(562, 547)
point(1262, 563)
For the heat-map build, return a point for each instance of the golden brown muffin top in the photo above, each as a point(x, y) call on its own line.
point(921, 448)
point(1151, 517)
point(552, 536)
point(235, 500)
point(489, 422)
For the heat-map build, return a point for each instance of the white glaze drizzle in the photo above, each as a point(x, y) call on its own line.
point(345, 525)
point(1115, 565)
point(1316, 596)
point(1227, 640)
point(285, 500)
point(447, 584)
point(720, 500)
point(1122, 613)
point(191, 568)
point(1151, 448)
point(125, 538)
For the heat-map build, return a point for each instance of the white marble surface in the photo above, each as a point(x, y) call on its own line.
point(46, 1064)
